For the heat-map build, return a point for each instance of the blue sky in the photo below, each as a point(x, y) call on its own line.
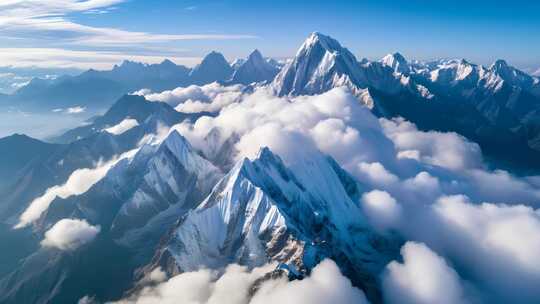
point(98, 33)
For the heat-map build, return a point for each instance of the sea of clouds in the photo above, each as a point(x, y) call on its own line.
point(470, 235)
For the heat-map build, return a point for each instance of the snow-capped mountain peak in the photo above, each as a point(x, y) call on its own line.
point(397, 62)
point(265, 210)
point(316, 38)
point(319, 64)
point(322, 63)
point(511, 75)
point(143, 195)
point(452, 72)
point(254, 69)
point(177, 144)
point(186, 155)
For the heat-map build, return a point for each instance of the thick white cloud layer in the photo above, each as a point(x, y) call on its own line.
point(494, 245)
point(78, 183)
point(123, 126)
point(390, 155)
point(262, 119)
point(381, 208)
point(512, 231)
point(325, 285)
point(499, 245)
point(407, 175)
point(449, 150)
point(211, 97)
point(70, 234)
point(423, 278)
point(377, 174)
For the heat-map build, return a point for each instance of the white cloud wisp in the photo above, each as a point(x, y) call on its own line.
point(70, 234)
point(78, 183)
point(122, 127)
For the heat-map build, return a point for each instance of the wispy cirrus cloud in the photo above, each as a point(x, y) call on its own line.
point(51, 25)
point(20, 18)
point(64, 58)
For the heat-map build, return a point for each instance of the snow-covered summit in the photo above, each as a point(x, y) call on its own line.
point(254, 69)
point(322, 63)
point(397, 62)
point(511, 75)
point(265, 210)
point(326, 42)
point(143, 195)
point(187, 156)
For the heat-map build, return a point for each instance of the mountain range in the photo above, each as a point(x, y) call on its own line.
point(496, 106)
point(149, 199)
point(97, 90)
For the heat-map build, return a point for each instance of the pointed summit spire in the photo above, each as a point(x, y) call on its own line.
point(177, 143)
point(256, 54)
point(320, 64)
point(254, 69)
point(396, 62)
point(256, 58)
point(180, 147)
point(213, 67)
point(326, 42)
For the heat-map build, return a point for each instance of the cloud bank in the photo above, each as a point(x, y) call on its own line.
point(210, 98)
point(471, 234)
point(70, 234)
point(325, 285)
point(381, 208)
point(422, 278)
point(427, 187)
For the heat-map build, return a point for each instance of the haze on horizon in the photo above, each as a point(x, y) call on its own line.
point(99, 34)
